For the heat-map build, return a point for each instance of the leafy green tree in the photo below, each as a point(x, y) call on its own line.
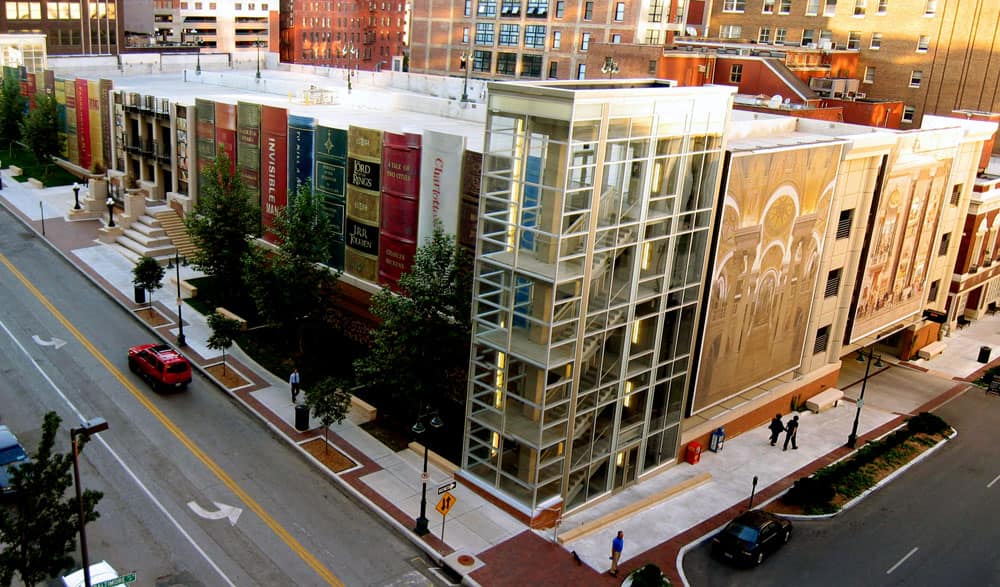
point(222, 226)
point(329, 401)
point(41, 129)
point(39, 528)
point(420, 351)
point(290, 286)
point(148, 274)
point(12, 106)
point(224, 332)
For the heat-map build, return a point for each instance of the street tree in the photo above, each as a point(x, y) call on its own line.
point(224, 332)
point(12, 107)
point(222, 227)
point(291, 286)
point(38, 530)
point(330, 401)
point(148, 274)
point(419, 353)
point(41, 130)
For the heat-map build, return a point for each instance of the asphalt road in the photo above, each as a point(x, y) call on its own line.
point(163, 453)
point(934, 525)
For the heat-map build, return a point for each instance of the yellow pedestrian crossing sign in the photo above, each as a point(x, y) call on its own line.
point(445, 503)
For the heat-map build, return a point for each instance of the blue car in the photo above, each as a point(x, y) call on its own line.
point(12, 455)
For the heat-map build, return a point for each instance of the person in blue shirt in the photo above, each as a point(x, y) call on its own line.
point(616, 552)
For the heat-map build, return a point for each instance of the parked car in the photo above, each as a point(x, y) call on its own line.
point(12, 455)
point(751, 536)
point(159, 364)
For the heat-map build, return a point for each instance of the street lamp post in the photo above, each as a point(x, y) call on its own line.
point(435, 422)
point(352, 51)
point(175, 264)
point(111, 211)
point(467, 66)
point(852, 440)
point(89, 427)
point(257, 44)
point(76, 196)
point(610, 67)
point(197, 44)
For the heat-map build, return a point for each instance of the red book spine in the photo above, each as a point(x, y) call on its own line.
point(82, 123)
point(225, 131)
point(400, 206)
point(273, 166)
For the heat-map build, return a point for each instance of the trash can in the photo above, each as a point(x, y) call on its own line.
point(717, 439)
point(693, 453)
point(301, 417)
point(139, 295)
point(984, 354)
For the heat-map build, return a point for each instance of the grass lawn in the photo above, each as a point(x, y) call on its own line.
point(49, 175)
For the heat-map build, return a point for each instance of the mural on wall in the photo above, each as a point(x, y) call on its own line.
point(765, 272)
point(893, 278)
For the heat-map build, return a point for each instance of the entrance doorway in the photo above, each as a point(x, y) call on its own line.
point(626, 467)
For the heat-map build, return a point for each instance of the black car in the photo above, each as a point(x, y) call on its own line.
point(12, 455)
point(751, 536)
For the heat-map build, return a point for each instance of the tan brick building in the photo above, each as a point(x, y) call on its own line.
point(932, 55)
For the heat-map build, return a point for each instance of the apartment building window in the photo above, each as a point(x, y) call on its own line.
point(24, 11)
point(854, 40)
point(916, 78)
point(768, 7)
point(730, 31)
point(585, 42)
point(468, 7)
point(844, 224)
point(556, 39)
point(616, 39)
point(785, 7)
point(588, 11)
point(876, 43)
point(822, 339)
point(581, 71)
point(883, 7)
point(736, 73)
point(538, 8)
point(733, 5)
point(932, 292)
point(655, 13)
point(945, 241)
point(764, 35)
point(930, 9)
point(869, 74)
point(780, 35)
point(908, 113)
point(860, 6)
point(531, 66)
point(510, 34)
point(510, 8)
point(923, 44)
point(487, 8)
point(651, 67)
point(484, 33)
point(534, 37)
point(812, 7)
point(465, 35)
point(832, 283)
point(560, 8)
point(808, 37)
point(830, 8)
point(825, 35)
point(482, 60)
point(956, 194)
point(652, 37)
point(553, 69)
point(620, 11)
point(506, 63)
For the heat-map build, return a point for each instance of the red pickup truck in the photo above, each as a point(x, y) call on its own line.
point(161, 365)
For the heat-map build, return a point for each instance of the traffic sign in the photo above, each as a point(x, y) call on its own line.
point(129, 578)
point(445, 504)
point(447, 487)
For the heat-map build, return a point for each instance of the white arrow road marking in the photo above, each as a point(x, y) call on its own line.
point(223, 511)
point(56, 342)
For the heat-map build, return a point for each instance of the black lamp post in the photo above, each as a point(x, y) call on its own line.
point(89, 427)
point(197, 44)
point(349, 50)
point(175, 264)
point(76, 196)
point(435, 422)
point(852, 440)
point(257, 44)
point(111, 211)
point(467, 66)
point(610, 67)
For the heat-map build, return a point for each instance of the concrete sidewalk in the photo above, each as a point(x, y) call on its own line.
point(482, 542)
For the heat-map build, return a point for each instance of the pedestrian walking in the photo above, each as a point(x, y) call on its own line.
point(790, 432)
point(616, 552)
point(776, 428)
point(293, 381)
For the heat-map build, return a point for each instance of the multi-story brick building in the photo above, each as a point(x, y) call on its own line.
point(71, 27)
point(353, 34)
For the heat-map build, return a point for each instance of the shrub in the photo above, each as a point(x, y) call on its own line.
point(926, 423)
point(810, 492)
point(648, 575)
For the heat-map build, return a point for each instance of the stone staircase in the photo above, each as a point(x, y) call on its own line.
point(158, 233)
point(172, 224)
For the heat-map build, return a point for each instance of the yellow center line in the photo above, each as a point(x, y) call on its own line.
point(228, 481)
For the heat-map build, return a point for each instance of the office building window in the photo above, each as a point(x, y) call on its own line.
point(808, 37)
point(923, 44)
point(465, 36)
point(854, 40)
point(616, 39)
point(916, 77)
point(531, 66)
point(876, 43)
point(538, 8)
point(651, 67)
point(482, 60)
point(655, 13)
point(733, 5)
point(932, 292)
point(860, 7)
point(764, 35)
point(560, 8)
point(553, 69)
point(506, 63)
point(487, 8)
point(780, 35)
point(945, 241)
point(652, 37)
point(812, 7)
point(588, 11)
point(731, 31)
point(484, 33)
point(785, 7)
point(556, 39)
point(956, 194)
point(468, 7)
point(844, 224)
point(510, 8)
point(509, 36)
point(581, 71)
point(832, 283)
point(908, 113)
point(768, 7)
point(736, 73)
point(620, 11)
point(883, 7)
point(585, 42)
point(534, 37)
point(822, 339)
point(869, 74)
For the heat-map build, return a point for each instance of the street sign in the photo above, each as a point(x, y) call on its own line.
point(129, 578)
point(445, 504)
point(447, 487)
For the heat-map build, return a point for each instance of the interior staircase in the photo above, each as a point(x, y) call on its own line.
point(159, 233)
